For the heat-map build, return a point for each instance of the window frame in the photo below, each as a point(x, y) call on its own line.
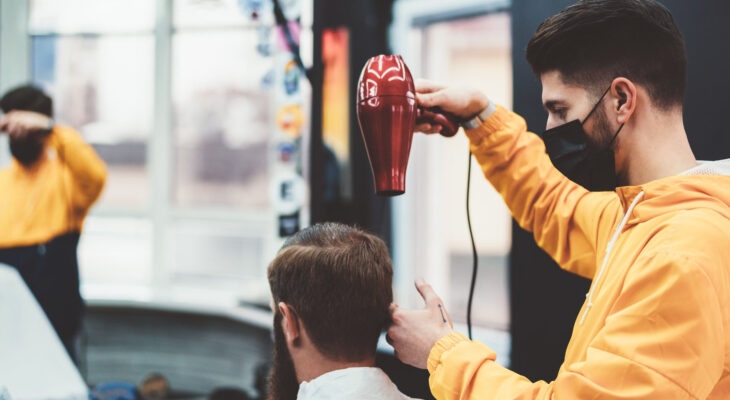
point(161, 210)
point(407, 242)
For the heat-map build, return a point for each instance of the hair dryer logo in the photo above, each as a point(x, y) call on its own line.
point(377, 72)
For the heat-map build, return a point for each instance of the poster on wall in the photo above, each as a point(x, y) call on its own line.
point(288, 186)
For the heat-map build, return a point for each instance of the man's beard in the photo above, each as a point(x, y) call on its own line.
point(27, 150)
point(603, 144)
point(602, 138)
point(283, 384)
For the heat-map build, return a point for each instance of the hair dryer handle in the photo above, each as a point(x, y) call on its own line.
point(435, 116)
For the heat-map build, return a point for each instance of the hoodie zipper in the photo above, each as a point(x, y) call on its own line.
point(609, 248)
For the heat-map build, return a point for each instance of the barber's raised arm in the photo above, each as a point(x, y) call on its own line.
point(87, 170)
point(563, 216)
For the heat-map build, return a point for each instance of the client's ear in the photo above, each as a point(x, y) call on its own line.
point(289, 323)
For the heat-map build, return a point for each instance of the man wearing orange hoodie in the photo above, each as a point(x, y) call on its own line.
point(656, 321)
point(47, 191)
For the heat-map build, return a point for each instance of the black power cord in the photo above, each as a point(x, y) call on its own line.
point(473, 249)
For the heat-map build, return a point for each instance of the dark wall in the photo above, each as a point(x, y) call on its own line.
point(367, 23)
point(544, 299)
point(705, 27)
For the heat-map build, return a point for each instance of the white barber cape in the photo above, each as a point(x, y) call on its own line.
point(351, 383)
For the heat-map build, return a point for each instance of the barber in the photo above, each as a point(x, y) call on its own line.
point(52, 181)
point(645, 221)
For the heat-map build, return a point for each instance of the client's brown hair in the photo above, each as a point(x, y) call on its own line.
point(338, 279)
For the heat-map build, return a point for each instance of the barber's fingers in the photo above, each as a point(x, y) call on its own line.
point(17, 130)
point(429, 295)
point(424, 127)
point(428, 128)
point(9, 123)
point(427, 86)
point(433, 301)
point(14, 129)
point(434, 99)
point(13, 125)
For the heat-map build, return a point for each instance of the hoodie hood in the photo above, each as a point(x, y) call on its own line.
point(704, 186)
point(720, 167)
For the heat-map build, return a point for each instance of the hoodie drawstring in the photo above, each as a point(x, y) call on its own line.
point(608, 253)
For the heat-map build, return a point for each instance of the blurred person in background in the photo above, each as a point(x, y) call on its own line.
point(53, 179)
point(331, 286)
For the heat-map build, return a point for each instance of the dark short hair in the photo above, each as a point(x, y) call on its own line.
point(594, 41)
point(27, 98)
point(338, 279)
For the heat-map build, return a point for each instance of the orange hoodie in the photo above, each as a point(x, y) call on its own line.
point(655, 324)
point(52, 197)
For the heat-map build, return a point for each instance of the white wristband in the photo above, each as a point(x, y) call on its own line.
point(481, 117)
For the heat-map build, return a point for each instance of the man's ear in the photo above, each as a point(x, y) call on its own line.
point(289, 323)
point(624, 98)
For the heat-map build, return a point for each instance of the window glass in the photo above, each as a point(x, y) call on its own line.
point(102, 86)
point(96, 58)
point(222, 119)
point(221, 13)
point(221, 255)
point(474, 52)
point(86, 16)
point(116, 250)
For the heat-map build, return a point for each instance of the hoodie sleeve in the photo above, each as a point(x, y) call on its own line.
point(562, 215)
point(86, 170)
point(663, 339)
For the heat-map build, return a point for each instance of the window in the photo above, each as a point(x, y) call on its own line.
point(91, 16)
point(96, 60)
point(474, 52)
point(177, 98)
point(102, 86)
point(222, 119)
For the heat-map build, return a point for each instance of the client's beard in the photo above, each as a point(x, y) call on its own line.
point(283, 384)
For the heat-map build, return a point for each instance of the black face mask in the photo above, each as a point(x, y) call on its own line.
point(28, 149)
point(575, 157)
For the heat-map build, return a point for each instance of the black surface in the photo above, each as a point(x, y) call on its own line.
point(411, 381)
point(197, 353)
point(545, 300)
point(51, 272)
point(367, 23)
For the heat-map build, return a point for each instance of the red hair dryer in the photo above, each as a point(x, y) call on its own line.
point(387, 113)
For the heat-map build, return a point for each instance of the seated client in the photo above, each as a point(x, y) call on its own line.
point(331, 286)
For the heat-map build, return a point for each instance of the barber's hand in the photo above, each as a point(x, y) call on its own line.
point(19, 124)
point(414, 332)
point(462, 102)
